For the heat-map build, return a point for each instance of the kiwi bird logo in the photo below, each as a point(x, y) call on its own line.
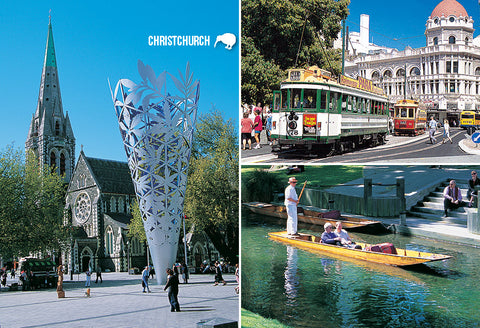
point(228, 39)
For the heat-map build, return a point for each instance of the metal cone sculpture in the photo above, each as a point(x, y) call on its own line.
point(157, 131)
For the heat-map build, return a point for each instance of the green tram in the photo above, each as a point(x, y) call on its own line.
point(314, 112)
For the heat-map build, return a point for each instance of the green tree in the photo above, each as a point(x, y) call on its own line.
point(211, 202)
point(135, 227)
point(32, 201)
point(275, 31)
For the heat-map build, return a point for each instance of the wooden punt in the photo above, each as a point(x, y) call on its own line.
point(402, 258)
point(313, 217)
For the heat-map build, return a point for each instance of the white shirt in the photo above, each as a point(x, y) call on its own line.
point(290, 192)
point(342, 234)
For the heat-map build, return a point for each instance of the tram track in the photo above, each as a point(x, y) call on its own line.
point(408, 146)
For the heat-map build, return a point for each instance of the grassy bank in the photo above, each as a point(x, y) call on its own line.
point(319, 177)
point(252, 320)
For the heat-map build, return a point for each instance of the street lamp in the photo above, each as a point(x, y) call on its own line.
point(128, 256)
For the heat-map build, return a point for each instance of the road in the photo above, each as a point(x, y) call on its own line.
point(397, 150)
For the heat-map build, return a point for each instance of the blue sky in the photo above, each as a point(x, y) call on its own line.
point(404, 20)
point(96, 40)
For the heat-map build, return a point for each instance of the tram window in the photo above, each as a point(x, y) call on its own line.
point(369, 106)
point(403, 112)
point(323, 100)
point(354, 104)
point(410, 113)
point(344, 102)
point(284, 99)
point(310, 99)
point(349, 103)
point(333, 102)
point(295, 98)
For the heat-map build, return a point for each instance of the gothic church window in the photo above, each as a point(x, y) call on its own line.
point(53, 160)
point(120, 205)
point(113, 205)
point(62, 164)
point(109, 241)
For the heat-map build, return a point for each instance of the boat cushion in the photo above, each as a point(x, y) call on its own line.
point(382, 248)
point(331, 215)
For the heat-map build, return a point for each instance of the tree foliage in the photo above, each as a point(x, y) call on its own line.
point(211, 202)
point(135, 227)
point(275, 31)
point(260, 186)
point(31, 206)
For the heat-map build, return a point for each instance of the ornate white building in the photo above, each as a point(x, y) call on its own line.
point(445, 74)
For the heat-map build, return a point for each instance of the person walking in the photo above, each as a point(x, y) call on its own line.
point(291, 202)
point(237, 278)
point(268, 126)
point(218, 274)
point(186, 274)
point(99, 274)
point(145, 274)
point(88, 274)
point(247, 127)
point(446, 132)
point(432, 127)
point(258, 128)
point(172, 284)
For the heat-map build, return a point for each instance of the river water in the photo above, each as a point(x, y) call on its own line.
point(304, 289)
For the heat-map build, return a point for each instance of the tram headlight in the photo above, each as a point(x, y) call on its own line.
point(295, 117)
point(290, 117)
point(292, 125)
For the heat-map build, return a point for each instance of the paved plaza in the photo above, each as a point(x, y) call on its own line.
point(119, 302)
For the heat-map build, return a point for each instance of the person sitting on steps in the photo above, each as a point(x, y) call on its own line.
point(452, 197)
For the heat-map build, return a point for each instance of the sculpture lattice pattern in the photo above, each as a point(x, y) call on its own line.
point(157, 131)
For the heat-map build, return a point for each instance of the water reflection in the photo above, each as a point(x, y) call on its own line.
point(291, 279)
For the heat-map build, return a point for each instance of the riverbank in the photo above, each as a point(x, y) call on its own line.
point(253, 320)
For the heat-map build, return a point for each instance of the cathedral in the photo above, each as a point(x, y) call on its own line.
point(99, 193)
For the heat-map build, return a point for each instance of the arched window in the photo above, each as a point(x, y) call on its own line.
point(387, 73)
point(57, 128)
point(375, 76)
point(477, 71)
point(53, 160)
point(451, 19)
point(62, 164)
point(109, 241)
point(136, 247)
point(414, 71)
point(120, 205)
point(401, 72)
point(435, 41)
point(113, 205)
point(451, 40)
point(466, 41)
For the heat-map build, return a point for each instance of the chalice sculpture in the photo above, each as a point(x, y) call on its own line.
point(157, 125)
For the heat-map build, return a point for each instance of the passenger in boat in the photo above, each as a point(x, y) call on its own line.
point(291, 202)
point(472, 193)
point(329, 237)
point(345, 239)
point(452, 197)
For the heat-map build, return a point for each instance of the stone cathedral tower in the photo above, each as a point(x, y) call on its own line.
point(50, 134)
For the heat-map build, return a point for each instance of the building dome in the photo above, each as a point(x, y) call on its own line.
point(448, 8)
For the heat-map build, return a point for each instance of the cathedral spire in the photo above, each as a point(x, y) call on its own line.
point(50, 135)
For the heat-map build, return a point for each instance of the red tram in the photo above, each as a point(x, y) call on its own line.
point(410, 117)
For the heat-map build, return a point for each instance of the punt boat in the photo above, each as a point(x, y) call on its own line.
point(402, 258)
point(315, 217)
